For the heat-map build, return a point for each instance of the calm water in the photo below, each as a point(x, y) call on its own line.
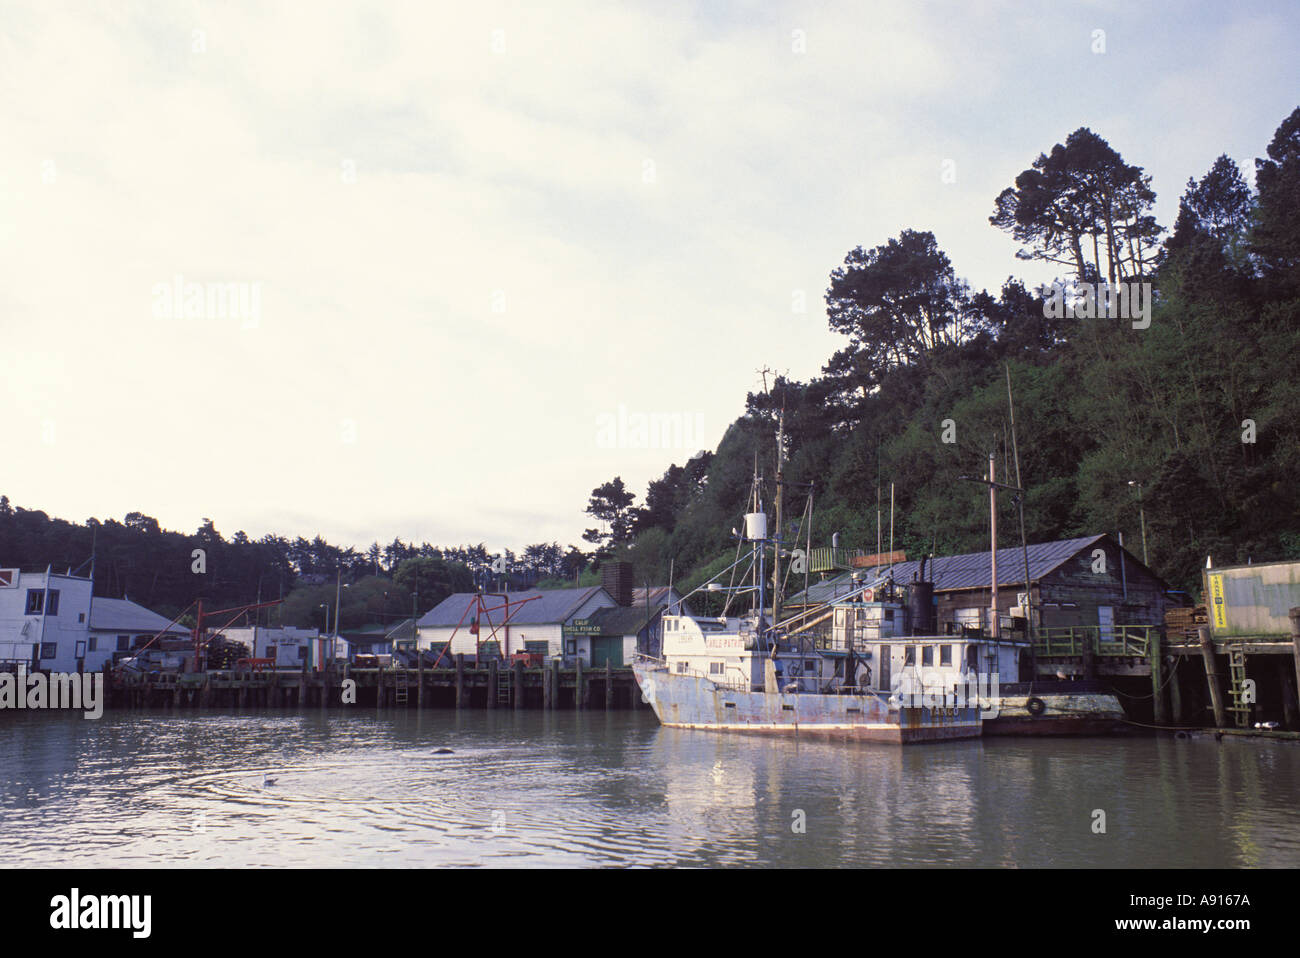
point(570, 789)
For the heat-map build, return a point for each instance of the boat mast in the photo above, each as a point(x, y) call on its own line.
point(776, 539)
point(1024, 543)
point(993, 544)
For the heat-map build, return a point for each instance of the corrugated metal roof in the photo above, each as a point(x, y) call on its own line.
point(973, 570)
point(548, 608)
point(624, 620)
point(402, 631)
point(123, 615)
point(658, 595)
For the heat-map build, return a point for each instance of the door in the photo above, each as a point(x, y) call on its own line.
point(606, 648)
point(1106, 619)
point(883, 683)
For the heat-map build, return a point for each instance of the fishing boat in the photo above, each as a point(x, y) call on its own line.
point(865, 666)
point(852, 669)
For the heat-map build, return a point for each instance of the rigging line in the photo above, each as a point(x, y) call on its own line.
point(798, 529)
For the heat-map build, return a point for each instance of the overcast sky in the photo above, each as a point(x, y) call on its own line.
point(472, 236)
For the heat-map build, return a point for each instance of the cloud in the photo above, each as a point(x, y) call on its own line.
point(474, 229)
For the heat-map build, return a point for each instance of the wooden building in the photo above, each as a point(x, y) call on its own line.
point(1091, 581)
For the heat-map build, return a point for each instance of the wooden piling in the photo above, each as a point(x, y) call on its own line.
point(492, 684)
point(461, 701)
point(609, 686)
point(1290, 714)
point(1156, 657)
point(1294, 615)
point(1176, 692)
point(419, 677)
point(379, 689)
point(1089, 656)
point(547, 692)
point(1212, 677)
point(519, 684)
point(577, 685)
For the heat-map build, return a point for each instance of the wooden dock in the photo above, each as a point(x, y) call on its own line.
point(1183, 679)
point(492, 685)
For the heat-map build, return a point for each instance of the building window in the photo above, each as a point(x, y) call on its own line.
point(94, 643)
point(35, 601)
point(123, 643)
point(52, 602)
point(49, 650)
point(927, 655)
point(302, 652)
point(81, 617)
point(945, 655)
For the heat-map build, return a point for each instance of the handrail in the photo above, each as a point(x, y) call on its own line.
point(1125, 641)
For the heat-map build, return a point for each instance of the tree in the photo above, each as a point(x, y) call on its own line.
point(434, 579)
point(1082, 198)
point(611, 503)
point(897, 303)
point(1276, 237)
point(142, 523)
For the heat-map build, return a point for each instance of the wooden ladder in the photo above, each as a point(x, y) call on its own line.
point(1237, 669)
point(505, 678)
point(400, 688)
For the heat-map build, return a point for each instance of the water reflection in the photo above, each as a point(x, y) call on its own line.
point(577, 789)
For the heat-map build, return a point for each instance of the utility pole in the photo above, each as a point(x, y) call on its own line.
point(1143, 516)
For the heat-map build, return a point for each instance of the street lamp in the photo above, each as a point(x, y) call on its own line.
point(1143, 517)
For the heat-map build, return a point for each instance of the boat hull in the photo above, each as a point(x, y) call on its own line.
point(695, 702)
point(1062, 714)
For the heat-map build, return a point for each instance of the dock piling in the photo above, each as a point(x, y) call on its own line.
point(1212, 677)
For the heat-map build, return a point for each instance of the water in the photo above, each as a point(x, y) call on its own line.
point(580, 789)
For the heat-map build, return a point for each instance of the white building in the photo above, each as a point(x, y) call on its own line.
point(289, 647)
point(52, 621)
point(531, 621)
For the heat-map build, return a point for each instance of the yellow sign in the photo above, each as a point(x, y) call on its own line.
point(1220, 610)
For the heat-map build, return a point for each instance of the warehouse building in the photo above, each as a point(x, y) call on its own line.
point(1089, 581)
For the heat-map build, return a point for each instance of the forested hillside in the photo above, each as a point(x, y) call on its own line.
point(1193, 407)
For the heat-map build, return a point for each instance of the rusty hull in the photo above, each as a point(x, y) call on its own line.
point(693, 701)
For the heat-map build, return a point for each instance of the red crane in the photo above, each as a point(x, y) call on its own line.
point(238, 610)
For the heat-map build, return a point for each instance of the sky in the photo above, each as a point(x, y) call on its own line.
point(436, 261)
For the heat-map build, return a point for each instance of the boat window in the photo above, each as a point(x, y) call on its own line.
point(717, 668)
point(973, 657)
point(945, 655)
point(909, 655)
point(683, 666)
point(927, 655)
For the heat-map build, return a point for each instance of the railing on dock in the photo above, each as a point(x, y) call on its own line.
point(1116, 641)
